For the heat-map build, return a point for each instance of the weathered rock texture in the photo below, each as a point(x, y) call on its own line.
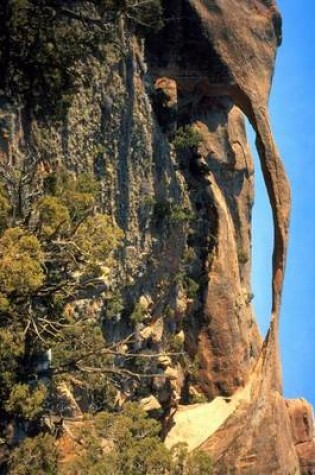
point(302, 426)
point(234, 65)
point(210, 66)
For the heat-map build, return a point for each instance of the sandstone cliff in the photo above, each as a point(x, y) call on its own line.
point(159, 119)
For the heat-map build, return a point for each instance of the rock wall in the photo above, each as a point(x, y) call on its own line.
point(302, 426)
point(186, 215)
point(223, 58)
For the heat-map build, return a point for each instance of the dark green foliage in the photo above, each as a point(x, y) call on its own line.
point(80, 195)
point(26, 402)
point(66, 256)
point(51, 184)
point(171, 212)
point(161, 210)
point(138, 314)
point(136, 448)
point(180, 214)
point(86, 183)
point(41, 269)
point(190, 286)
point(40, 44)
point(53, 216)
point(115, 305)
point(11, 353)
point(5, 209)
point(175, 343)
point(124, 443)
point(97, 236)
point(35, 456)
point(195, 463)
point(21, 265)
point(68, 347)
point(199, 463)
point(186, 138)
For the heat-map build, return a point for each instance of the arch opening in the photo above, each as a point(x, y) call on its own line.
point(262, 242)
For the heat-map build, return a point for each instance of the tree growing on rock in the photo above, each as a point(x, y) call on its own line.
point(53, 252)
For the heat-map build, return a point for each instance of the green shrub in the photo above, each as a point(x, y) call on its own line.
point(98, 236)
point(11, 352)
point(186, 138)
point(42, 48)
point(190, 286)
point(79, 204)
point(25, 402)
point(198, 399)
point(175, 343)
point(51, 184)
point(86, 183)
point(138, 314)
point(136, 448)
point(198, 463)
point(189, 256)
point(21, 262)
point(80, 195)
point(53, 216)
point(35, 456)
point(115, 306)
point(175, 213)
point(149, 201)
point(180, 214)
point(5, 209)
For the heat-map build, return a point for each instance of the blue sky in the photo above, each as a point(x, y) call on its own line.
point(292, 107)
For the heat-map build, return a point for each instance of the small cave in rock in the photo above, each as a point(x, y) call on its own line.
point(183, 47)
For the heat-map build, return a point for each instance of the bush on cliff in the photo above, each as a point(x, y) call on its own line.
point(35, 456)
point(52, 255)
point(124, 443)
point(186, 138)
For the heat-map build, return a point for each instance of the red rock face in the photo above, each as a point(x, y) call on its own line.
point(302, 427)
point(247, 49)
point(222, 61)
